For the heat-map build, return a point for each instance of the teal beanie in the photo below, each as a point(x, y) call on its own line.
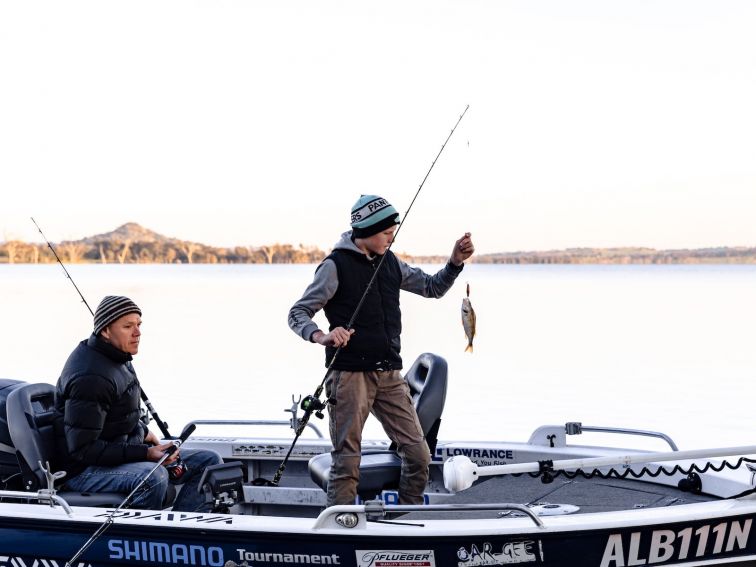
point(371, 214)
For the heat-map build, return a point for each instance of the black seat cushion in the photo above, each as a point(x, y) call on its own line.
point(92, 499)
point(427, 379)
point(379, 470)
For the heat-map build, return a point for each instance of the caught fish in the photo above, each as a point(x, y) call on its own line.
point(468, 320)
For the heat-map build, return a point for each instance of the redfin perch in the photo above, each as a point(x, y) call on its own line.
point(468, 320)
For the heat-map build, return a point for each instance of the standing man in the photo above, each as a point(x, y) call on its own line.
point(101, 442)
point(365, 377)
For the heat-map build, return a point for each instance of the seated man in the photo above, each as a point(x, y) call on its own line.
point(101, 442)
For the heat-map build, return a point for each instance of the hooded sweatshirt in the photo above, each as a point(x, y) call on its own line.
point(339, 283)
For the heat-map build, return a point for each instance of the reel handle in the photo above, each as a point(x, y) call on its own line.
point(188, 430)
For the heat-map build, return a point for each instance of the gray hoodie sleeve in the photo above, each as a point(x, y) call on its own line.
point(417, 281)
point(317, 294)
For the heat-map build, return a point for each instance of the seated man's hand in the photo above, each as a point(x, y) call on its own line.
point(156, 453)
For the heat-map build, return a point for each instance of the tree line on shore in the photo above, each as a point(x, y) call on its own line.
point(133, 244)
point(717, 255)
point(125, 251)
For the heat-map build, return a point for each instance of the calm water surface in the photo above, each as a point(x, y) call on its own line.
point(648, 347)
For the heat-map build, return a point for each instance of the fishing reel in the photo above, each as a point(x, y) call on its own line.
point(311, 404)
point(177, 469)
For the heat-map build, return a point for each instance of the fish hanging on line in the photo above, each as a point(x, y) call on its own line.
point(468, 320)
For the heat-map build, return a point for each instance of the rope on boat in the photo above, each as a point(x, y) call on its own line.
point(547, 473)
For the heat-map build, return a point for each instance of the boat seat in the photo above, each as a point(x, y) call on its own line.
point(10, 474)
point(30, 423)
point(380, 470)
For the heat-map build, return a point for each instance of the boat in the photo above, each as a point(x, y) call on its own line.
point(543, 501)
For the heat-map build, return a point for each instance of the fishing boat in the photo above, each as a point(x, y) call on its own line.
point(543, 501)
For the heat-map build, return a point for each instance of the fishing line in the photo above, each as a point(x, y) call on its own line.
point(313, 404)
point(160, 423)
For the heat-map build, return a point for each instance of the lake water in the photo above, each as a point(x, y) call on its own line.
point(667, 348)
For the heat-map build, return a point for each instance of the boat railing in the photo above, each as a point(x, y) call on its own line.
point(255, 422)
point(348, 516)
point(577, 428)
point(40, 496)
point(460, 472)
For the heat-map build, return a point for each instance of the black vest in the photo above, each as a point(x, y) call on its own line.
point(375, 344)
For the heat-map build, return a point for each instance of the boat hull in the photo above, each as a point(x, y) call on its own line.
point(166, 539)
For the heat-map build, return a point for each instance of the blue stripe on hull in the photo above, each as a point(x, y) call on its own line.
point(727, 541)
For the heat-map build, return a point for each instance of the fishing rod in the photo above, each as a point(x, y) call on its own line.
point(176, 443)
point(160, 423)
point(313, 404)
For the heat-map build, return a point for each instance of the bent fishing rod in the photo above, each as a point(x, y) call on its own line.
point(160, 423)
point(313, 404)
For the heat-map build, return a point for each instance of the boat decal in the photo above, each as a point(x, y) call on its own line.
point(481, 457)
point(17, 561)
point(257, 557)
point(660, 546)
point(169, 516)
point(241, 450)
point(153, 552)
point(391, 497)
point(395, 558)
point(274, 450)
point(524, 551)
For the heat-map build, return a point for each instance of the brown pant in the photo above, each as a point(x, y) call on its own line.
point(385, 395)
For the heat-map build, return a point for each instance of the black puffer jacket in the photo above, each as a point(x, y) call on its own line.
point(97, 409)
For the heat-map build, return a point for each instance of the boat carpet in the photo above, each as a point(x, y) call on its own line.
point(590, 495)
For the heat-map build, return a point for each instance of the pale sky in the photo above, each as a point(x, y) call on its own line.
point(243, 122)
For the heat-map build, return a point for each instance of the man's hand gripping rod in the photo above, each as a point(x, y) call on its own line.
point(160, 423)
point(188, 430)
point(313, 404)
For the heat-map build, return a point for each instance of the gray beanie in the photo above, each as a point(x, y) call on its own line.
point(113, 307)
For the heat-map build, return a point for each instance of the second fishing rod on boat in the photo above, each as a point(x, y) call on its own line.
point(160, 423)
point(312, 403)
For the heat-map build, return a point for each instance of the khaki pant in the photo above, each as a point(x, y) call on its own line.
point(385, 395)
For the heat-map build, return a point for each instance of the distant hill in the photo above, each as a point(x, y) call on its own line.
point(129, 231)
point(132, 243)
